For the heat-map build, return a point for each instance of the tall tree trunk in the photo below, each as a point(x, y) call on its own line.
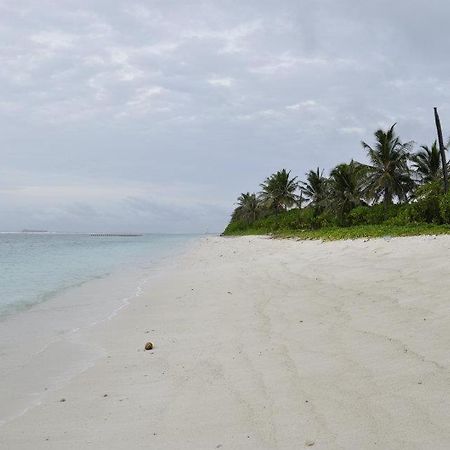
point(385, 203)
point(441, 149)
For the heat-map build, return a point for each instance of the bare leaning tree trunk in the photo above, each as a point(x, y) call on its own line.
point(442, 149)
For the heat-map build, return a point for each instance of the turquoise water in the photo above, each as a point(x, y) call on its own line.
point(36, 267)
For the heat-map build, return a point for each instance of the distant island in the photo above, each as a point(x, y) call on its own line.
point(398, 192)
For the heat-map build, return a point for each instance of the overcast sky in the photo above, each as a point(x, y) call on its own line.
point(154, 116)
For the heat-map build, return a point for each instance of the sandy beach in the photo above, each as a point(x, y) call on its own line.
point(266, 344)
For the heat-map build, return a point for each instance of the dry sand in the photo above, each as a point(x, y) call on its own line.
point(267, 344)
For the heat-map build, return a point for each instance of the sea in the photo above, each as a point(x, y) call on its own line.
point(54, 288)
point(35, 267)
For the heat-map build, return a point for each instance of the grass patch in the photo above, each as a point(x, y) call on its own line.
point(354, 232)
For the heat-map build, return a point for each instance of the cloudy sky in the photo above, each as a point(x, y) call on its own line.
point(154, 116)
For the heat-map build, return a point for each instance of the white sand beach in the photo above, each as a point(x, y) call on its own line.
point(266, 344)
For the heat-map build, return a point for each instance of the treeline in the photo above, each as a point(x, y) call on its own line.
point(398, 186)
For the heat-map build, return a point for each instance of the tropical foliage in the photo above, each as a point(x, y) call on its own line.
point(346, 190)
point(248, 208)
point(388, 173)
point(278, 191)
point(427, 163)
point(395, 188)
point(314, 189)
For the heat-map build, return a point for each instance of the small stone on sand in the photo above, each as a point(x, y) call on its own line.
point(149, 346)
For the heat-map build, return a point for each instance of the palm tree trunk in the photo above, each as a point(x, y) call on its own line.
point(387, 201)
point(385, 205)
point(441, 148)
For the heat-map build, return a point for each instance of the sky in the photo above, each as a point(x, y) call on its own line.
point(154, 116)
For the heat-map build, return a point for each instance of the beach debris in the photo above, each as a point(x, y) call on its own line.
point(62, 400)
point(105, 395)
point(149, 346)
point(309, 443)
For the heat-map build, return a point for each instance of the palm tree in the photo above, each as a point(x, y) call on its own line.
point(427, 163)
point(314, 189)
point(248, 208)
point(300, 200)
point(278, 191)
point(388, 174)
point(346, 188)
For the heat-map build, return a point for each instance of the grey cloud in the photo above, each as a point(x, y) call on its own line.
point(184, 104)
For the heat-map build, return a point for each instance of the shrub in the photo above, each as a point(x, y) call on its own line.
point(444, 208)
point(294, 219)
point(402, 218)
point(236, 226)
point(372, 215)
point(325, 220)
point(426, 208)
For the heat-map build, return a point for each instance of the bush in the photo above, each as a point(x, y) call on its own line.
point(402, 218)
point(372, 215)
point(325, 220)
point(426, 208)
point(302, 219)
point(235, 227)
point(294, 219)
point(444, 208)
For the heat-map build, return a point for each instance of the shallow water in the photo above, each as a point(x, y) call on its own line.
point(55, 287)
point(37, 267)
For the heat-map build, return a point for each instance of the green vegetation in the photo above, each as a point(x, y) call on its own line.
point(397, 193)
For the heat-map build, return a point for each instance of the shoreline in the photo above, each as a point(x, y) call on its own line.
point(267, 344)
point(44, 346)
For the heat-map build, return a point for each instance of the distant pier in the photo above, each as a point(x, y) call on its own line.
point(115, 235)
